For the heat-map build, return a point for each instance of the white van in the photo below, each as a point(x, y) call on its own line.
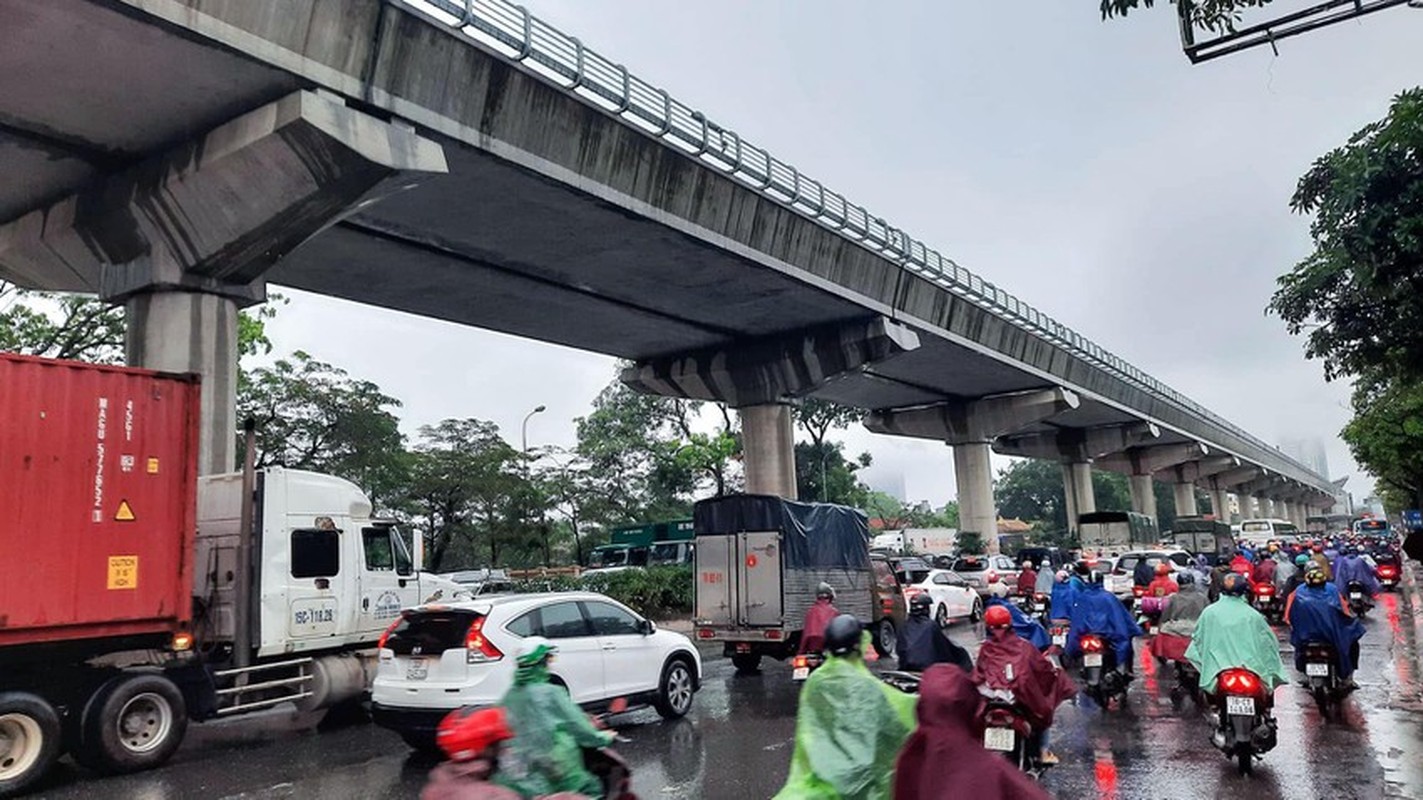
point(1260, 531)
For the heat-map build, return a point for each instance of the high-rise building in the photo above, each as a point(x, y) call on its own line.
point(1309, 452)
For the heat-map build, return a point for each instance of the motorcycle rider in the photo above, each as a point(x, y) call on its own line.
point(996, 586)
point(1350, 568)
point(1325, 563)
point(1045, 578)
point(1008, 663)
point(849, 725)
point(1163, 584)
point(1242, 564)
point(1023, 625)
point(1264, 571)
point(922, 643)
point(1317, 612)
point(945, 758)
point(1101, 613)
point(1178, 621)
point(1229, 633)
point(1296, 579)
point(1142, 574)
point(812, 633)
point(1027, 580)
point(470, 739)
point(1064, 597)
point(545, 755)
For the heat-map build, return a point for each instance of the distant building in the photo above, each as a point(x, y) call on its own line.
point(891, 483)
point(1014, 525)
point(1309, 452)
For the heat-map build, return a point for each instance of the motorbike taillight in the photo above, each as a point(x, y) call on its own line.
point(1239, 682)
point(1091, 644)
point(1264, 590)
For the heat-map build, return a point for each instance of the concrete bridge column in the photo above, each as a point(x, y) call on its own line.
point(1077, 487)
point(768, 442)
point(1247, 506)
point(973, 473)
point(1220, 505)
point(1185, 499)
point(1143, 495)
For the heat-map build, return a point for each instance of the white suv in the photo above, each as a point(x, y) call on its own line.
point(436, 658)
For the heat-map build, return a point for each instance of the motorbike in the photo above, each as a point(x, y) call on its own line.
point(804, 664)
point(1321, 673)
point(1006, 730)
point(1267, 602)
point(1148, 612)
point(1388, 576)
point(1100, 676)
point(606, 764)
point(907, 682)
point(1245, 730)
point(1359, 601)
point(1188, 684)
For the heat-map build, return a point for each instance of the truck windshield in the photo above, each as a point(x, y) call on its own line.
point(668, 553)
point(612, 557)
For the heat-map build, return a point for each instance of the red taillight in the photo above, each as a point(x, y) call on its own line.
point(911, 591)
point(774, 633)
point(1091, 644)
point(479, 649)
point(384, 637)
point(1041, 598)
point(1264, 589)
point(706, 633)
point(1388, 571)
point(1138, 590)
point(800, 661)
point(1240, 681)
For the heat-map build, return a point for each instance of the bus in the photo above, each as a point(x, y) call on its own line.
point(1371, 527)
point(1325, 524)
point(1111, 533)
point(1262, 531)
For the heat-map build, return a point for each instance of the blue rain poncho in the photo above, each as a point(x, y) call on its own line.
point(1101, 613)
point(1229, 633)
point(849, 729)
point(1321, 614)
point(1353, 568)
point(1064, 597)
point(1026, 628)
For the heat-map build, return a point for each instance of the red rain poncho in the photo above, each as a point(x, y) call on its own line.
point(944, 757)
point(1037, 685)
point(812, 634)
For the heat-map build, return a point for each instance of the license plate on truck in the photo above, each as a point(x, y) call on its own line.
point(417, 670)
point(1091, 659)
point(1000, 739)
point(1240, 706)
point(1317, 670)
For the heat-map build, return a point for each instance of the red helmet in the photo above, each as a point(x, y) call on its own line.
point(997, 617)
point(1162, 569)
point(465, 732)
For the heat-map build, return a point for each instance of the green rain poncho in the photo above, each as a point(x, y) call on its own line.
point(849, 729)
point(1229, 633)
point(550, 731)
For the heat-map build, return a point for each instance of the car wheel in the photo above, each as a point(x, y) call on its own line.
point(675, 692)
point(136, 722)
point(976, 614)
point(29, 740)
point(885, 638)
point(941, 615)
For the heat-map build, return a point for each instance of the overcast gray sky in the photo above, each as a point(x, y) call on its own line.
point(1083, 165)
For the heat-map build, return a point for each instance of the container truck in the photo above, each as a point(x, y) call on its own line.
point(758, 562)
point(125, 608)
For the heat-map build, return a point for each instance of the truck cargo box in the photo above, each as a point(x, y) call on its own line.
point(97, 491)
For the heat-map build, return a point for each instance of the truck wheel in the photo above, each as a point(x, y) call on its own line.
point(674, 695)
point(746, 663)
point(135, 722)
point(885, 638)
point(29, 740)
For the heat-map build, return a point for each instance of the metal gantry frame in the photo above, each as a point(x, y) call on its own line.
point(1283, 27)
point(511, 31)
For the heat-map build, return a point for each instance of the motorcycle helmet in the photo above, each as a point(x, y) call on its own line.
point(1315, 576)
point(1235, 585)
point(1186, 578)
point(826, 591)
point(996, 616)
point(919, 606)
point(1027, 565)
point(1301, 560)
point(842, 635)
point(536, 650)
point(1163, 569)
point(466, 732)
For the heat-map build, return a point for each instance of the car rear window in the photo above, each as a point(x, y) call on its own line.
point(431, 631)
point(970, 565)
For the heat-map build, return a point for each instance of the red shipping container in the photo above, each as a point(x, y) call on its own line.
point(98, 476)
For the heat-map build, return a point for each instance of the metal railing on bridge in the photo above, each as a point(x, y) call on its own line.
point(510, 30)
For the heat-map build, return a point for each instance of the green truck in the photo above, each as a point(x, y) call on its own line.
point(651, 544)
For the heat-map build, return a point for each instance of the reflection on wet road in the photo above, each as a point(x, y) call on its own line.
point(737, 744)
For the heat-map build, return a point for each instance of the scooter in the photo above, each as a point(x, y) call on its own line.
point(1100, 676)
point(1267, 602)
point(1359, 601)
point(804, 664)
point(1245, 730)
point(1006, 730)
point(1321, 675)
point(1188, 684)
point(1388, 576)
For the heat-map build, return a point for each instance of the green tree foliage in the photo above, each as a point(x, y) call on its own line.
point(819, 417)
point(1386, 436)
point(311, 415)
point(1360, 293)
point(971, 543)
point(1031, 490)
point(1111, 491)
point(58, 325)
point(897, 515)
point(825, 475)
point(1217, 16)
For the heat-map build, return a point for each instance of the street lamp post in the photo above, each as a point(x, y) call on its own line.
point(524, 452)
point(524, 440)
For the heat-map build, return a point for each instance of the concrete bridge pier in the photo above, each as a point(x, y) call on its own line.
point(1247, 506)
point(768, 447)
point(1077, 488)
point(183, 238)
point(1143, 494)
point(1140, 464)
point(1185, 493)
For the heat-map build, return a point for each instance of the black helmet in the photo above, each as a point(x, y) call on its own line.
point(842, 635)
point(1185, 578)
point(1235, 584)
point(919, 606)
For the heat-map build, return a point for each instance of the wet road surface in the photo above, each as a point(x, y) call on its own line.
point(737, 744)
